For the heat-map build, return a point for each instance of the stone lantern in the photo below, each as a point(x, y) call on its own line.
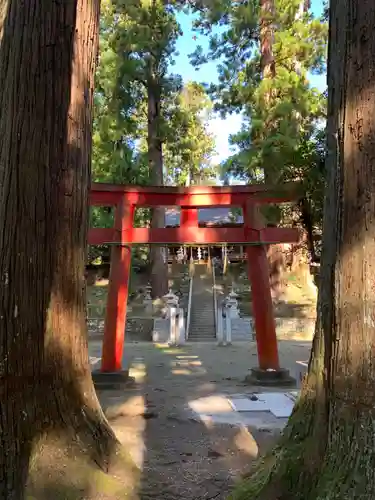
point(232, 305)
point(147, 300)
point(171, 300)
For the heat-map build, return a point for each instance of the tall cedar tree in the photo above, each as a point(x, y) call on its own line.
point(265, 50)
point(327, 450)
point(47, 63)
point(142, 38)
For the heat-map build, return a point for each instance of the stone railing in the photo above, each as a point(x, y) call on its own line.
point(190, 296)
point(214, 296)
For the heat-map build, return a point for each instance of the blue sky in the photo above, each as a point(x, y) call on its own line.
point(221, 128)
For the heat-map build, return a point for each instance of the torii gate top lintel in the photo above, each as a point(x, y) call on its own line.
point(126, 198)
point(194, 196)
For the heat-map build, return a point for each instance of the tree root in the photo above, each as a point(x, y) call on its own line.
point(63, 469)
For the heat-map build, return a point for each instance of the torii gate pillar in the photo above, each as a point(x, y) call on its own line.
point(269, 371)
point(112, 370)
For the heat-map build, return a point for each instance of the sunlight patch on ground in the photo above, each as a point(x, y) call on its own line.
point(246, 443)
point(186, 357)
point(166, 349)
point(126, 419)
point(186, 362)
point(181, 371)
point(102, 282)
point(210, 404)
point(138, 370)
point(187, 365)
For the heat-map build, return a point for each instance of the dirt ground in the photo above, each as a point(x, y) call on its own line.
point(171, 452)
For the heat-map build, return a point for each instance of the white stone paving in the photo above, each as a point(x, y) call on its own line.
point(269, 410)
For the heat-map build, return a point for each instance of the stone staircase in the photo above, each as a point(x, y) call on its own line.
point(202, 319)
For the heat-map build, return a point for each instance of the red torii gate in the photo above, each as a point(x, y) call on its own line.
point(126, 198)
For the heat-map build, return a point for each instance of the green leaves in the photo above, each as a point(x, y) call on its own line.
point(280, 138)
point(189, 146)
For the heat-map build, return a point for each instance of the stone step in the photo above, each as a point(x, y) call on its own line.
point(202, 334)
point(205, 313)
point(201, 331)
point(202, 305)
point(209, 333)
point(202, 339)
point(202, 325)
point(202, 319)
point(202, 300)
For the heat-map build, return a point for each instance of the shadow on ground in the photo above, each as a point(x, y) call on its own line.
point(178, 454)
point(184, 457)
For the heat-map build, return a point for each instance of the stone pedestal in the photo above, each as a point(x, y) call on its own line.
point(112, 380)
point(270, 378)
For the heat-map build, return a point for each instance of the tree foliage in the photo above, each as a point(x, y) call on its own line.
point(137, 50)
point(280, 139)
point(190, 146)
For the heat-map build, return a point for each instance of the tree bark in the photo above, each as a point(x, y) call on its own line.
point(47, 64)
point(159, 274)
point(268, 71)
point(307, 222)
point(267, 61)
point(328, 450)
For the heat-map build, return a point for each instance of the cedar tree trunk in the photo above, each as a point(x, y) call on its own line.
point(159, 274)
point(47, 62)
point(267, 61)
point(327, 451)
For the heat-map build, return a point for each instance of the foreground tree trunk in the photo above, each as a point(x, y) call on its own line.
point(47, 63)
point(328, 450)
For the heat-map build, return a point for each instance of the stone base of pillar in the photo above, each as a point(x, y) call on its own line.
point(111, 380)
point(224, 344)
point(270, 378)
